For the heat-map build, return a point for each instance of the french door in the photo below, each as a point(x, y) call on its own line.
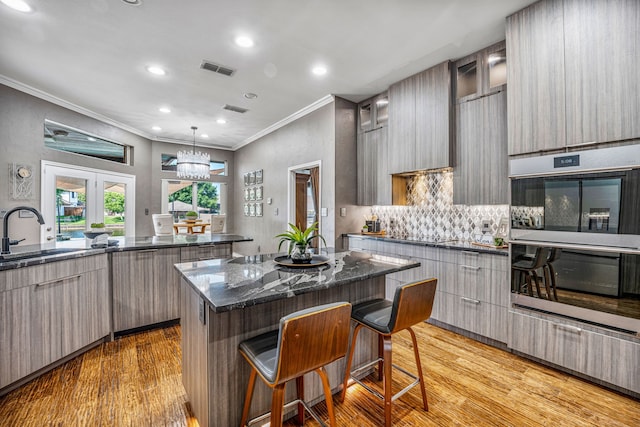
point(74, 197)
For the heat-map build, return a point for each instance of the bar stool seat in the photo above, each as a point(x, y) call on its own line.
point(306, 341)
point(527, 268)
point(412, 304)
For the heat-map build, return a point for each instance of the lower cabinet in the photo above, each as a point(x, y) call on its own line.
point(199, 253)
point(50, 311)
point(146, 287)
point(583, 348)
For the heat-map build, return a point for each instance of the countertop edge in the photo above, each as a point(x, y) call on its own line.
point(458, 246)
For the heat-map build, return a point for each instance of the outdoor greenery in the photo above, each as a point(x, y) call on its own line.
point(207, 196)
point(114, 203)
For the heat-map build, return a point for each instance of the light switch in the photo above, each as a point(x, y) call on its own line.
point(269, 200)
point(324, 212)
point(343, 211)
point(275, 211)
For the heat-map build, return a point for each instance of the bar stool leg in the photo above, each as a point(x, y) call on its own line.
point(300, 392)
point(552, 273)
point(277, 403)
point(380, 356)
point(387, 379)
point(327, 395)
point(347, 372)
point(247, 398)
point(419, 365)
point(536, 280)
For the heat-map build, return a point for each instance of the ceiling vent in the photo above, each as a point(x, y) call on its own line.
point(217, 68)
point(234, 108)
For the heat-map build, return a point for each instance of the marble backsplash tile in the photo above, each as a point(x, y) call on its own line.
point(431, 214)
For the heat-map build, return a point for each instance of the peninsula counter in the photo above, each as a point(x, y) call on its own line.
point(224, 302)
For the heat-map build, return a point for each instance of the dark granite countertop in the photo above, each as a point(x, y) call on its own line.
point(28, 255)
point(448, 244)
point(245, 281)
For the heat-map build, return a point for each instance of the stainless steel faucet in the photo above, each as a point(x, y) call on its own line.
point(6, 242)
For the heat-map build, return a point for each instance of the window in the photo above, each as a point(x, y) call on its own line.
point(169, 163)
point(203, 197)
point(64, 138)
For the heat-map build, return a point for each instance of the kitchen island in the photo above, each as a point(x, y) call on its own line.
point(224, 302)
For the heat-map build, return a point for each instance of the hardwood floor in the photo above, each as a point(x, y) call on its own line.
point(135, 381)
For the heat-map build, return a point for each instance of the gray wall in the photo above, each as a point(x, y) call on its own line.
point(328, 135)
point(21, 140)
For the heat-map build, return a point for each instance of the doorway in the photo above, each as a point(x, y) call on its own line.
point(304, 196)
point(74, 197)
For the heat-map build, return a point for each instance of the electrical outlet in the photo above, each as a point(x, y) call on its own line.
point(275, 211)
point(343, 211)
point(486, 226)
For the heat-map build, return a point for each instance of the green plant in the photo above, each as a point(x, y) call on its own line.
point(97, 225)
point(191, 213)
point(295, 236)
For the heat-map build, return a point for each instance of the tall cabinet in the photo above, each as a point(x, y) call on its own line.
point(573, 74)
point(420, 121)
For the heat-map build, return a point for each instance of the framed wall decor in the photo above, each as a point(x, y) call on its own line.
point(259, 193)
point(252, 178)
point(258, 209)
point(259, 176)
point(252, 209)
point(246, 178)
point(246, 209)
point(246, 194)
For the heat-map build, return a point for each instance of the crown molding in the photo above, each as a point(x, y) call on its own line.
point(293, 117)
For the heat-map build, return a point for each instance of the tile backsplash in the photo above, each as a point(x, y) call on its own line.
point(431, 214)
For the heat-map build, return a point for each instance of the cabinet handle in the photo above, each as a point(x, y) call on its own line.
point(568, 328)
point(471, 253)
point(581, 144)
point(470, 267)
point(473, 301)
point(52, 282)
point(145, 251)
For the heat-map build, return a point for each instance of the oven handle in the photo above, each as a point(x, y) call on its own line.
point(567, 328)
point(612, 249)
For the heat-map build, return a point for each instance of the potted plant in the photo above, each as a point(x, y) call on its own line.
point(298, 242)
point(191, 215)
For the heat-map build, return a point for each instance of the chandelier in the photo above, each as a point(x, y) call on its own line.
point(193, 165)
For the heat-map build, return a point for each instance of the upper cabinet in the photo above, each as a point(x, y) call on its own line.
point(374, 181)
point(536, 75)
point(573, 74)
point(481, 173)
point(373, 113)
point(602, 65)
point(421, 121)
point(480, 74)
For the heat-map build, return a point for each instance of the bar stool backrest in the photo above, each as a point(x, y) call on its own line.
point(311, 338)
point(412, 304)
point(540, 258)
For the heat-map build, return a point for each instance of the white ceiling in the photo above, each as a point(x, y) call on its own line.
point(93, 53)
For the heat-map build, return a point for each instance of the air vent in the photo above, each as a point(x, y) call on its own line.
point(217, 68)
point(234, 108)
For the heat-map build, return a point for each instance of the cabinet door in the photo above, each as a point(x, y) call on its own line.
point(402, 130)
point(601, 60)
point(432, 112)
point(374, 180)
point(481, 176)
point(145, 287)
point(535, 77)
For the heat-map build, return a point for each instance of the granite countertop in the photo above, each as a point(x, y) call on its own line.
point(245, 281)
point(28, 255)
point(448, 244)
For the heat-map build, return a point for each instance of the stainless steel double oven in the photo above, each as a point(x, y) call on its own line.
point(586, 205)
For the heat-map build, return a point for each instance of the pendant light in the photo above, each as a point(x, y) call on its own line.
point(192, 165)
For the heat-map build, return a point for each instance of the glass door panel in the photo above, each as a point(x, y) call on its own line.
point(70, 208)
point(115, 207)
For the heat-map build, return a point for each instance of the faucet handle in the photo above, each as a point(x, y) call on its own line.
point(15, 242)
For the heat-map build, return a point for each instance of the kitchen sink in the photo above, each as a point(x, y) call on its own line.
point(37, 254)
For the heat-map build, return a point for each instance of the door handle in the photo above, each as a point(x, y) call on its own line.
point(50, 237)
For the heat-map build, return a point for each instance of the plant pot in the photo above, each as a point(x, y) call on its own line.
point(300, 255)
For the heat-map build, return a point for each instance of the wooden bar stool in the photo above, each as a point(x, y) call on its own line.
point(527, 268)
point(550, 273)
point(412, 304)
point(306, 341)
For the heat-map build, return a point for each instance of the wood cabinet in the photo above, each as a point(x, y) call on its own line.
point(602, 64)
point(50, 311)
point(473, 290)
point(420, 121)
point(482, 73)
point(587, 349)
point(373, 113)
point(202, 252)
point(145, 287)
point(374, 180)
point(572, 74)
point(481, 175)
point(536, 78)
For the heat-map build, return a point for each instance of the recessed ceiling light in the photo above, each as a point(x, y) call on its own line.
point(221, 121)
point(244, 41)
point(319, 70)
point(250, 95)
point(154, 69)
point(204, 135)
point(133, 2)
point(19, 5)
point(164, 110)
point(90, 138)
point(157, 128)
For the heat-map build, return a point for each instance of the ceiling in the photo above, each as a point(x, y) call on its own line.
point(92, 55)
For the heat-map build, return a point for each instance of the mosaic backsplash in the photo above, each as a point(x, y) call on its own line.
point(432, 214)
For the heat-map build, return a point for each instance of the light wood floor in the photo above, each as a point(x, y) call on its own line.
point(135, 381)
